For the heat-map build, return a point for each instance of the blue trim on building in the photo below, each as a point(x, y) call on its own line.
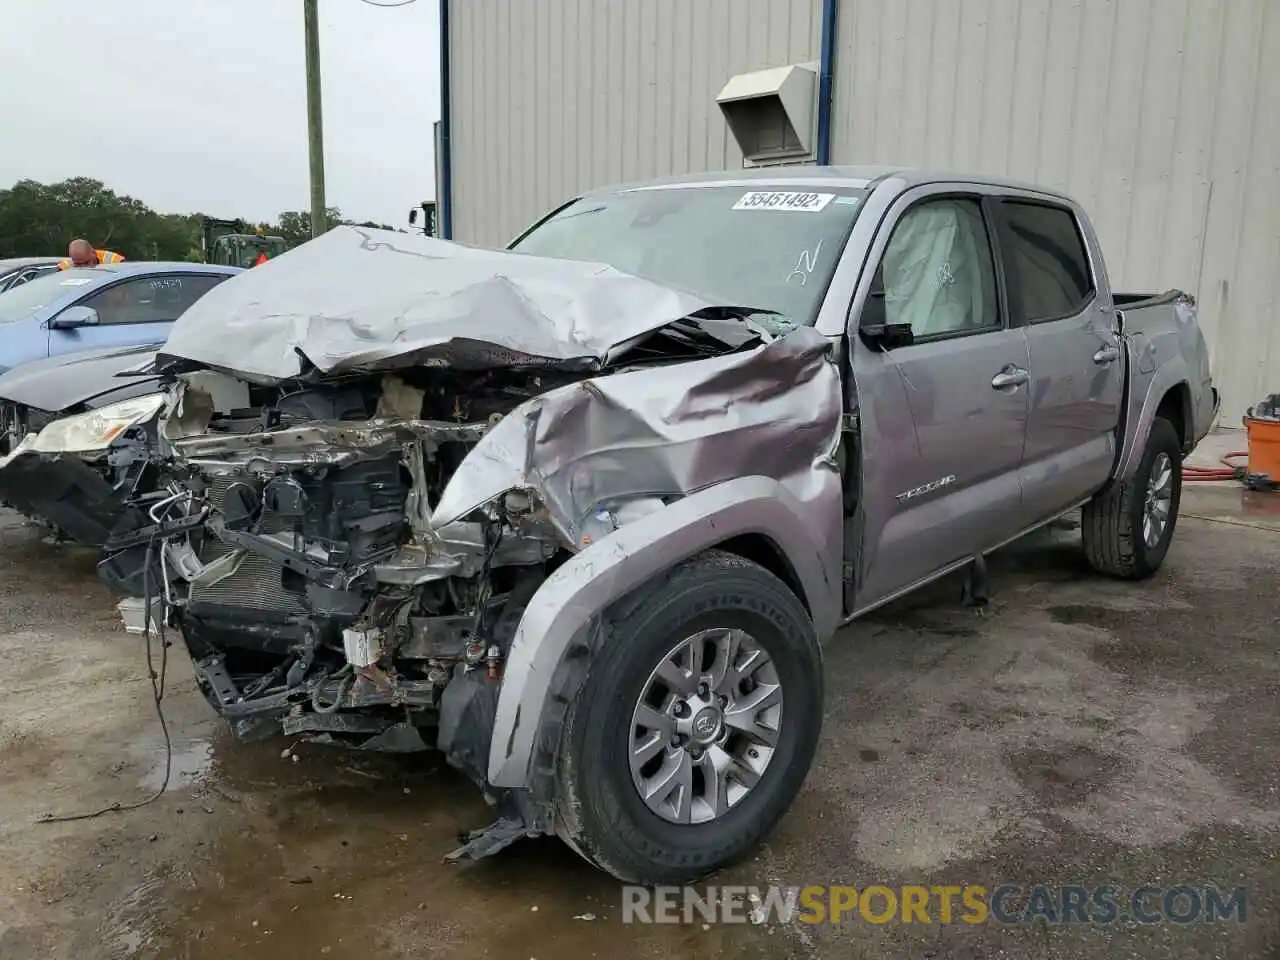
point(826, 67)
point(444, 203)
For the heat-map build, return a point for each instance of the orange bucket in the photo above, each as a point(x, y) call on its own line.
point(1264, 447)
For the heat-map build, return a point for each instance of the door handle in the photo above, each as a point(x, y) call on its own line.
point(1106, 354)
point(1010, 377)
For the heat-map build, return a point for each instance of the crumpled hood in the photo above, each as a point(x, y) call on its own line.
point(364, 299)
point(60, 382)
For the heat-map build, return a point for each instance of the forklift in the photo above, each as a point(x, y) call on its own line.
point(233, 243)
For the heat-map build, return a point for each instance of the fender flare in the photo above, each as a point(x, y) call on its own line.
point(566, 604)
point(1142, 414)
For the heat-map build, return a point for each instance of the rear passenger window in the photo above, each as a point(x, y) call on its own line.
point(1045, 260)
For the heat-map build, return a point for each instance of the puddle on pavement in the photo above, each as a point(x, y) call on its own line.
point(189, 763)
point(338, 854)
point(1234, 503)
point(1260, 505)
point(126, 930)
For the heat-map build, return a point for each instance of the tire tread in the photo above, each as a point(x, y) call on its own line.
point(1110, 522)
point(666, 590)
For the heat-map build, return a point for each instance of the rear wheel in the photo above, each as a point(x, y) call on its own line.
point(696, 725)
point(1128, 528)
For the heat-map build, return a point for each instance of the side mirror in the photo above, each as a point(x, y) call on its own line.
point(73, 317)
point(413, 216)
point(873, 326)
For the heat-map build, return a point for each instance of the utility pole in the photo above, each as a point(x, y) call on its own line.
point(315, 126)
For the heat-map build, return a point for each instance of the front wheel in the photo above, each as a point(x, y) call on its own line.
point(696, 725)
point(1127, 528)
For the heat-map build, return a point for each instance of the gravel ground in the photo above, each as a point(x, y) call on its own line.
point(1082, 731)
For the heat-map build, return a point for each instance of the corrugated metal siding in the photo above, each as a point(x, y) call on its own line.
point(1161, 116)
point(551, 97)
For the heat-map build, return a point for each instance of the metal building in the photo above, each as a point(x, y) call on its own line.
point(1161, 116)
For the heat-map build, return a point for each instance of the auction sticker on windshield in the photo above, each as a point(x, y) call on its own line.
point(783, 200)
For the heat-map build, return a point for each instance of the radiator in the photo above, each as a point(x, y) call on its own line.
point(258, 583)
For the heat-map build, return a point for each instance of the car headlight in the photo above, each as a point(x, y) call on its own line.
point(93, 431)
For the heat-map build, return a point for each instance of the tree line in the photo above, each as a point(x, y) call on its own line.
point(40, 219)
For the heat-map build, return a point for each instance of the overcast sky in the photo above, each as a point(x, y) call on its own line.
point(202, 106)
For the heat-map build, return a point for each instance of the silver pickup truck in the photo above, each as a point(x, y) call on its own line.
point(581, 513)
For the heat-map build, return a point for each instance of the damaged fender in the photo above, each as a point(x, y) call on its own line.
point(642, 470)
point(570, 602)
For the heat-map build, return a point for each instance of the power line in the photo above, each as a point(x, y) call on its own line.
point(402, 3)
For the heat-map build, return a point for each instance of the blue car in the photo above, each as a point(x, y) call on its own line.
point(112, 305)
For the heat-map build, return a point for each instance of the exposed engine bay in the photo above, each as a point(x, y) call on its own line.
point(318, 598)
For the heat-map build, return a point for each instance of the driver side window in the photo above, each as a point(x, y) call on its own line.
point(151, 299)
point(938, 272)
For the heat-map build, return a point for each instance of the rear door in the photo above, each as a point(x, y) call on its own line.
point(1060, 297)
point(943, 418)
point(135, 310)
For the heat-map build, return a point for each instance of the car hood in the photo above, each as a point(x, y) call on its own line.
point(58, 383)
point(358, 299)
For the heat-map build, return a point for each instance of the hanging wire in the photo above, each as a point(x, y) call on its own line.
point(402, 3)
point(157, 695)
point(159, 513)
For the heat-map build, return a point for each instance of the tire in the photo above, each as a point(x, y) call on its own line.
point(1113, 521)
point(599, 809)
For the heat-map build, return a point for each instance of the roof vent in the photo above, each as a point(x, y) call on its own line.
point(770, 113)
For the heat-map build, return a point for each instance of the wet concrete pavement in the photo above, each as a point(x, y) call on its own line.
point(1082, 730)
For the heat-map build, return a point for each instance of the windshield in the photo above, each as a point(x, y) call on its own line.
point(249, 250)
point(20, 302)
point(771, 249)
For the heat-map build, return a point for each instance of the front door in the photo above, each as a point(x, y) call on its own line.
point(134, 311)
point(1076, 365)
point(944, 418)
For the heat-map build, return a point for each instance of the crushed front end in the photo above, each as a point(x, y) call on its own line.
point(81, 473)
point(312, 591)
point(425, 435)
point(78, 439)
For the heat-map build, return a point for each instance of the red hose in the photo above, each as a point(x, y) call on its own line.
point(1228, 471)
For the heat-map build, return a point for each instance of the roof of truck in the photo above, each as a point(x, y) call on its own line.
point(852, 176)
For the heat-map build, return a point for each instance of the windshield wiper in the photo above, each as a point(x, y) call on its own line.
point(578, 213)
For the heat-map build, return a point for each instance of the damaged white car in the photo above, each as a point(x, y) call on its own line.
point(78, 438)
point(583, 531)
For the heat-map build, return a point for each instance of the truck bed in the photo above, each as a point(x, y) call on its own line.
point(1131, 301)
point(1161, 333)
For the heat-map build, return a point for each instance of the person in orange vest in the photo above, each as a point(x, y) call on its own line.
point(80, 253)
point(262, 257)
